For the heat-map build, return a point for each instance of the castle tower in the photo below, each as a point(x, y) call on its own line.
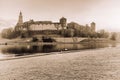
point(63, 22)
point(19, 24)
point(20, 20)
point(93, 27)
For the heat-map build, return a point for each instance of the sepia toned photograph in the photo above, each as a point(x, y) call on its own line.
point(59, 39)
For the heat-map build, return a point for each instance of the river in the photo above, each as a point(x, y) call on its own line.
point(15, 50)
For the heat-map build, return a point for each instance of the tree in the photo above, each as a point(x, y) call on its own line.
point(102, 34)
point(70, 32)
point(114, 36)
point(9, 33)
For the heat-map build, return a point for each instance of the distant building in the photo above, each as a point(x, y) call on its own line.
point(82, 28)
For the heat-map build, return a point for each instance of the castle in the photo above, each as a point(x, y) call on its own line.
point(40, 25)
point(32, 26)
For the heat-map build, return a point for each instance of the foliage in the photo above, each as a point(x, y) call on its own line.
point(34, 39)
point(10, 33)
point(113, 36)
point(67, 32)
point(102, 34)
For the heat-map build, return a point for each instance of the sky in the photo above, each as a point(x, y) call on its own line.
point(105, 13)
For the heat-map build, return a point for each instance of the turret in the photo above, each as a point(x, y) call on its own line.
point(93, 27)
point(63, 22)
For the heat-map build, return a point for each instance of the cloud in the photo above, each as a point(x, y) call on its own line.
point(6, 24)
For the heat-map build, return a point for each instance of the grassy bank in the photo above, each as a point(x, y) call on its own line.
point(102, 64)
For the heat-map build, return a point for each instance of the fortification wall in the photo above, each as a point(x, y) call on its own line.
point(69, 40)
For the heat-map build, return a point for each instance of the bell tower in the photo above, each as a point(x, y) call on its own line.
point(19, 24)
point(20, 20)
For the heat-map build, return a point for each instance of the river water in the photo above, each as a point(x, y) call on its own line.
point(9, 51)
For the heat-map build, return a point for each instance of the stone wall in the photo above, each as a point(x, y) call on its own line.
point(69, 40)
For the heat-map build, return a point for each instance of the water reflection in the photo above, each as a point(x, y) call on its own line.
point(48, 48)
point(20, 50)
point(26, 49)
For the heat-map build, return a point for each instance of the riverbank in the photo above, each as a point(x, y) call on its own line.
point(100, 64)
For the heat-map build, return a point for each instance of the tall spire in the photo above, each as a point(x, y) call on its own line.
point(20, 20)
